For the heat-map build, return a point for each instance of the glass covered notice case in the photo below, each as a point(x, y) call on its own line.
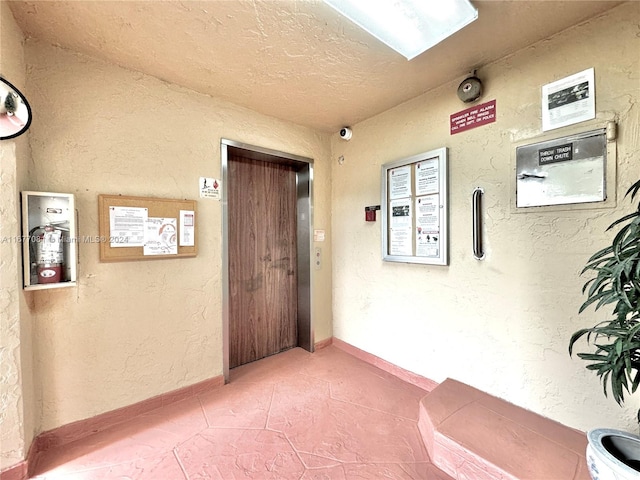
point(49, 240)
point(414, 209)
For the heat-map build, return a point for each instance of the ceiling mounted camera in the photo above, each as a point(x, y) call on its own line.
point(345, 133)
point(470, 89)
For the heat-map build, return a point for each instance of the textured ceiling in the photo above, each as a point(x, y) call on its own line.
point(292, 59)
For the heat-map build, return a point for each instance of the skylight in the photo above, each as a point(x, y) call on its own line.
point(408, 26)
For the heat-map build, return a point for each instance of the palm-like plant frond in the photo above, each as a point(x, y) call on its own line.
point(616, 342)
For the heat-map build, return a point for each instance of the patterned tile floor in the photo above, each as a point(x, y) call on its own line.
point(294, 415)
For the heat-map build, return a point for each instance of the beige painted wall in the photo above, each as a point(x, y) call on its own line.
point(133, 330)
point(16, 384)
point(501, 324)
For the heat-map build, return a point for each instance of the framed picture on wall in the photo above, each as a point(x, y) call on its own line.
point(414, 209)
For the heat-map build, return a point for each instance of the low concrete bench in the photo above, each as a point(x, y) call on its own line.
point(472, 435)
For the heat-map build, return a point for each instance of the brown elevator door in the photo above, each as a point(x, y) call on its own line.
point(262, 202)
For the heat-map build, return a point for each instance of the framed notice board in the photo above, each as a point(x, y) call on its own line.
point(415, 218)
point(145, 228)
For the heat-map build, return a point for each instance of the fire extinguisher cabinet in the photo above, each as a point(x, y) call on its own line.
point(49, 248)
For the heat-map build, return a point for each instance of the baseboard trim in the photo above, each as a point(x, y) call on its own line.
point(409, 377)
point(82, 428)
point(15, 472)
point(323, 343)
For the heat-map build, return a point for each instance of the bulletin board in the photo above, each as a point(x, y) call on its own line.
point(145, 228)
point(415, 218)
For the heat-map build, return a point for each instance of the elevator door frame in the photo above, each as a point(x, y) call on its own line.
point(304, 187)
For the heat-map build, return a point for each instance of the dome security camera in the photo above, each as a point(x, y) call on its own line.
point(345, 133)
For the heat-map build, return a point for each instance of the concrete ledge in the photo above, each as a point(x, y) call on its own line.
point(472, 435)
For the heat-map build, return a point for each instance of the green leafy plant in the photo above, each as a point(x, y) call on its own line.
point(616, 358)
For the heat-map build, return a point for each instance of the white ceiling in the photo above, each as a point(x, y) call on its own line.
point(292, 59)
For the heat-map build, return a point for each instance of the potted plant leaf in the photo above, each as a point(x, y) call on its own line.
point(615, 342)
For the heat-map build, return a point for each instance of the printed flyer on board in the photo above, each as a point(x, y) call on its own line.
point(428, 226)
point(400, 227)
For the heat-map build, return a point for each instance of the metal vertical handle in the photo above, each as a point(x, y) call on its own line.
point(476, 201)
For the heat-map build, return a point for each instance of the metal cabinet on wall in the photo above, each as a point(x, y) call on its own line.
point(49, 241)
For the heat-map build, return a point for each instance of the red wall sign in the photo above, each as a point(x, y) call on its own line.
point(473, 117)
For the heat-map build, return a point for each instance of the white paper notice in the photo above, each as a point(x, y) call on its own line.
point(126, 226)
point(569, 100)
point(428, 245)
point(400, 242)
point(161, 236)
point(427, 177)
point(400, 213)
point(187, 228)
point(428, 226)
point(400, 182)
point(428, 214)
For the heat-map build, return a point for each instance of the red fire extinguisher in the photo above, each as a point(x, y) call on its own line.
point(49, 253)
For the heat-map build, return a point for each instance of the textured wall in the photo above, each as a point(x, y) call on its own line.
point(502, 324)
point(11, 414)
point(16, 427)
point(132, 330)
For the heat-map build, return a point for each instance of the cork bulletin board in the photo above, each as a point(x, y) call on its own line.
point(123, 221)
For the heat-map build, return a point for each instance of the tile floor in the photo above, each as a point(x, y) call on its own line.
point(295, 415)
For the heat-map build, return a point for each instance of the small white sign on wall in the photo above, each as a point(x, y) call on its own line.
point(210, 188)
